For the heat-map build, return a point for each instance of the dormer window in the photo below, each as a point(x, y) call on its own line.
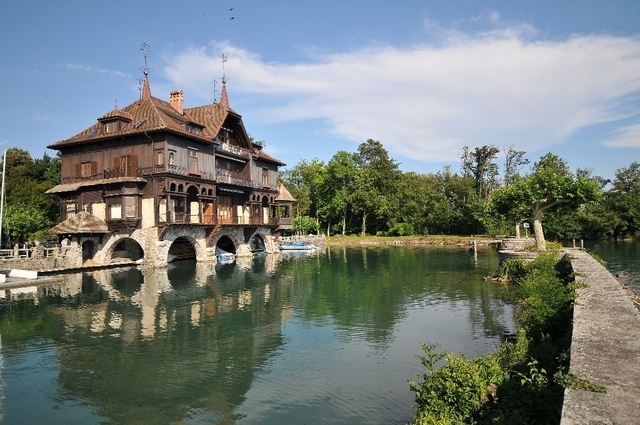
point(192, 128)
point(113, 126)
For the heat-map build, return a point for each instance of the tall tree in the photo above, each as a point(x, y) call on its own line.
point(549, 187)
point(513, 162)
point(340, 173)
point(375, 184)
point(624, 200)
point(480, 165)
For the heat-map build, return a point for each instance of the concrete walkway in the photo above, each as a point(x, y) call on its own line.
point(605, 349)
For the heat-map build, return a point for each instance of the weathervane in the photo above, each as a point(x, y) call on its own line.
point(145, 49)
point(224, 76)
point(214, 82)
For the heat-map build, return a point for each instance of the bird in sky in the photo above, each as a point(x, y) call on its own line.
point(232, 18)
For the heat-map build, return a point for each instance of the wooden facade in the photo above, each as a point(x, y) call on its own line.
point(157, 164)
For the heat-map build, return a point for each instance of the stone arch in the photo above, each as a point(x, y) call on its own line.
point(180, 188)
point(257, 243)
point(172, 187)
point(195, 235)
point(227, 244)
point(124, 248)
point(182, 248)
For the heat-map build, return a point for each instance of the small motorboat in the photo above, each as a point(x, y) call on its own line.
point(224, 257)
point(296, 246)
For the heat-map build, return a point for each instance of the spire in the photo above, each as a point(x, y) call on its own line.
point(146, 89)
point(224, 98)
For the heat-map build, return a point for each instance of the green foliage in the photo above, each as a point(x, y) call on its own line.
point(457, 389)
point(30, 212)
point(570, 380)
point(401, 229)
point(22, 222)
point(305, 225)
point(365, 192)
point(523, 381)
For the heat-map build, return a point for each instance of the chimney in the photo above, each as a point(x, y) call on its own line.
point(177, 100)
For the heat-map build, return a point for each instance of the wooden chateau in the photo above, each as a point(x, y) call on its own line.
point(155, 181)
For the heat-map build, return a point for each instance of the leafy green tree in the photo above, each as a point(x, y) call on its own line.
point(375, 185)
point(340, 173)
point(624, 201)
point(22, 221)
point(548, 188)
point(479, 164)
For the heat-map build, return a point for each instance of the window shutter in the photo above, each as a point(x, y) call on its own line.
point(78, 170)
point(134, 166)
point(94, 168)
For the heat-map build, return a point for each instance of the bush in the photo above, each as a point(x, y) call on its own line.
point(523, 382)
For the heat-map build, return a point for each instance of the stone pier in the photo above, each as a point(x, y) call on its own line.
point(605, 348)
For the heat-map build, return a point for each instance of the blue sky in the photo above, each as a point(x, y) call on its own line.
point(425, 78)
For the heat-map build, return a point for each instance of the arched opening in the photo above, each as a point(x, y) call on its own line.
point(257, 244)
point(181, 249)
point(225, 244)
point(193, 205)
point(88, 250)
point(126, 249)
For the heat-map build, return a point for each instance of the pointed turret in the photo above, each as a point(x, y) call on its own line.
point(146, 89)
point(224, 98)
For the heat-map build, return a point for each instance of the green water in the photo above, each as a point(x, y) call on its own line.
point(622, 259)
point(329, 338)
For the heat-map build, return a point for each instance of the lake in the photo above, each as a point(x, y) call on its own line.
point(329, 338)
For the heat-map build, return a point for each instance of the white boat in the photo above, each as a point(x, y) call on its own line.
point(224, 257)
point(296, 246)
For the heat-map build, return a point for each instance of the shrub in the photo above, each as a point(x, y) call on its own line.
point(522, 382)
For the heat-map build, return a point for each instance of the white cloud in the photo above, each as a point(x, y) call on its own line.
point(87, 68)
point(625, 137)
point(426, 102)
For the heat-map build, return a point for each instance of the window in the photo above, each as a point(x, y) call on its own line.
point(192, 156)
point(265, 177)
point(70, 209)
point(224, 208)
point(86, 169)
point(159, 157)
point(126, 166)
point(115, 211)
point(172, 158)
point(130, 206)
point(112, 127)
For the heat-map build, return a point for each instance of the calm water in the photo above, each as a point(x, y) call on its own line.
point(622, 258)
point(325, 339)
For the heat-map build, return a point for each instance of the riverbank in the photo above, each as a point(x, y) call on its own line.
point(482, 240)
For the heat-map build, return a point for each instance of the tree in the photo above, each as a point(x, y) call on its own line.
point(340, 174)
point(23, 221)
point(375, 184)
point(513, 162)
point(624, 200)
point(480, 165)
point(550, 187)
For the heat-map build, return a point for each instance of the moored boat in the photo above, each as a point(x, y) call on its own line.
point(297, 246)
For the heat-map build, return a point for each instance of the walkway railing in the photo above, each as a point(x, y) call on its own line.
point(12, 254)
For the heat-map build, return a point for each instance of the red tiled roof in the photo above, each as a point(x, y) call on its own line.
point(151, 114)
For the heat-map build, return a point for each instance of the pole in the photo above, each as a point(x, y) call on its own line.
point(4, 168)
